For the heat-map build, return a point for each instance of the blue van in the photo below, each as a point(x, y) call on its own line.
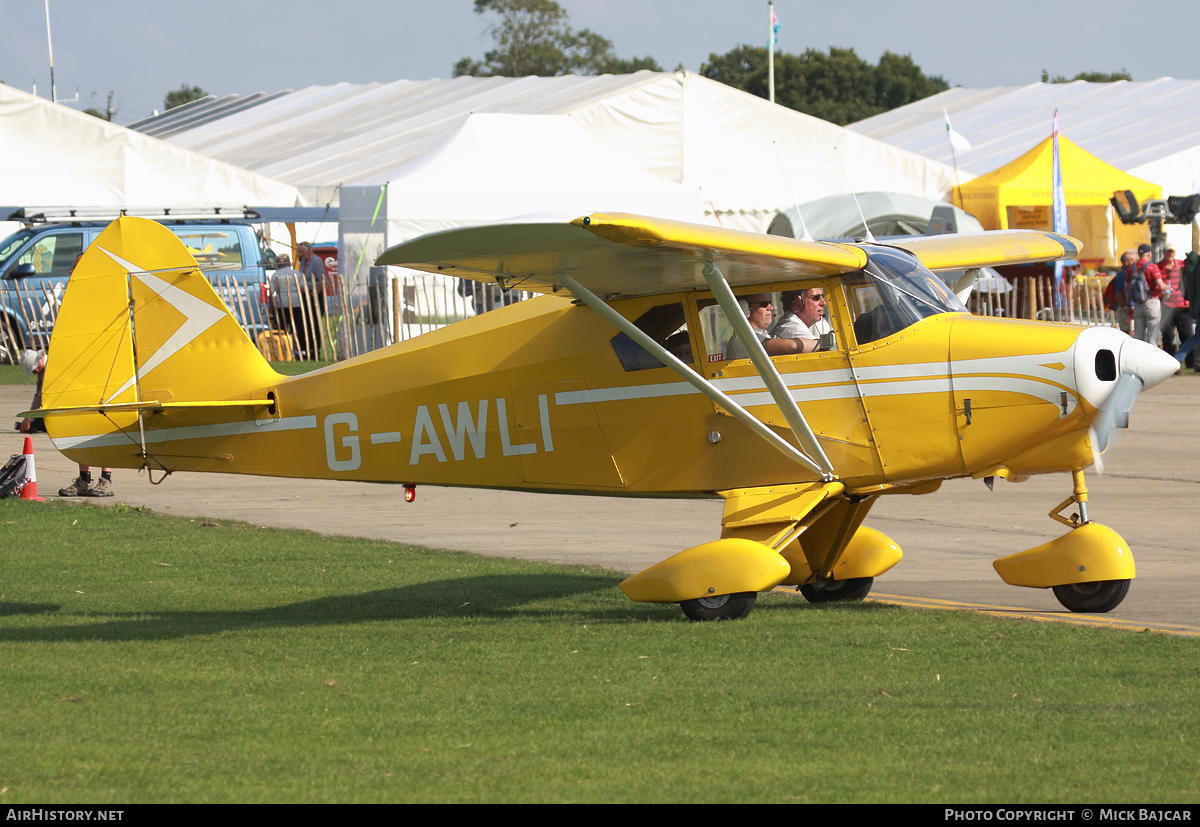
point(36, 262)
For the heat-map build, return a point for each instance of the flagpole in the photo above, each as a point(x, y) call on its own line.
point(1059, 207)
point(771, 48)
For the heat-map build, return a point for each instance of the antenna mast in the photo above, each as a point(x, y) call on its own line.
point(854, 195)
point(805, 234)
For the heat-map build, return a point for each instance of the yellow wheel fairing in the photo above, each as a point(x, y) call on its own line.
point(870, 553)
point(1087, 554)
point(721, 567)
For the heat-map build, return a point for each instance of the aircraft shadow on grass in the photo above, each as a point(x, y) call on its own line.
point(10, 609)
point(492, 596)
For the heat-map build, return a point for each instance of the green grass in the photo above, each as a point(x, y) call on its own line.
point(147, 658)
point(297, 368)
point(15, 375)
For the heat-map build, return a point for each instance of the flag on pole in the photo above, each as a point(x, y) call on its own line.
point(774, 26)
point(1060, 205)
point(957, 142)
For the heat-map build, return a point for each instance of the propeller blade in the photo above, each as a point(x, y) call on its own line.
point(1113, 416)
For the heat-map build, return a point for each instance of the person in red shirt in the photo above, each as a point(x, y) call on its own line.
point(1176, 316)
point(1147, 314)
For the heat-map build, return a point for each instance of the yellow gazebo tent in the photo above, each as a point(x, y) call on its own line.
point(1018, 196)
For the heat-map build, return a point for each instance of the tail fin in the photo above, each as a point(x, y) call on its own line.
point(139, 322)
point(142, 332)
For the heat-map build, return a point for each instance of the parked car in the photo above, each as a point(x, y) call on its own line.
point(36, 262)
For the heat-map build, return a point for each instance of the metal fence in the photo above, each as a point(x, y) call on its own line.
point(391, 306)
point(36, 305)
point(1079, 301)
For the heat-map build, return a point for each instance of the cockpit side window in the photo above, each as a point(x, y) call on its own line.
point(892, 292)
point(665, 324)
point(780, 319)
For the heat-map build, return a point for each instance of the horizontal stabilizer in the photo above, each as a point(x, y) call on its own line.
point(147, 407)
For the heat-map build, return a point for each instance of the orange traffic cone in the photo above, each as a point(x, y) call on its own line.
point(29, 489)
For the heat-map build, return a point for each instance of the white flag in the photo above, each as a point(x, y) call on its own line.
point(958, 142)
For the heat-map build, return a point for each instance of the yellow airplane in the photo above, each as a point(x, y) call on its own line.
point(582, 390)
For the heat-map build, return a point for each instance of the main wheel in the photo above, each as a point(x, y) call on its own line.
point(720, 606)
point(838, 591)
point(1099, 597)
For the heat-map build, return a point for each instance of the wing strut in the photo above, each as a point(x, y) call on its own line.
point(766, 369)
point(694, 379)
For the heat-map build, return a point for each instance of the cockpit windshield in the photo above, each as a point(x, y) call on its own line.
point(892, 292)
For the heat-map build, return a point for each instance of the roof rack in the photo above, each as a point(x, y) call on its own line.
point(75, 215)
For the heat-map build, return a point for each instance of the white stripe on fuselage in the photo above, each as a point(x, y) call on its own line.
point(1017, 374)
point(289, 423)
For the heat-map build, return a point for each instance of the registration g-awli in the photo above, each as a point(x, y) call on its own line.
point(576, 391)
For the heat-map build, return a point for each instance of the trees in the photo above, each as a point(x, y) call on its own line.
point(184, 94)
point(838, 86)
point(1090, 77)
point(533, 38)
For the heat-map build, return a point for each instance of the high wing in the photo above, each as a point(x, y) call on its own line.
point(620, 255)
point(990, 249)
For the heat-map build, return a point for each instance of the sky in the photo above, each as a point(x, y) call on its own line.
point(140, 50)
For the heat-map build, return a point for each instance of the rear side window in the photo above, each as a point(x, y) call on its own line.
point(214, 248)
point(664, 324)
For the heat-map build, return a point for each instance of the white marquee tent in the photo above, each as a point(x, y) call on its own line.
point(56, 156)
point(1150, 129)
point(497, 166)
point(500, 167)
point(678, 126)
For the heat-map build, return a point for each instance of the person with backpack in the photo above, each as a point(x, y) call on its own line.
point(1144, 289)
point(1114, 293)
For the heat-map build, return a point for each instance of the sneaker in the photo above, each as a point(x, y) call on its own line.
point(100, 488)
point(79, 488)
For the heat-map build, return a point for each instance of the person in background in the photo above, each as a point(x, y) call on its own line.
point(1114, 293)
point(1176, 310)
point(34, 362)
point(312, 283)
point(1147, 310)
point(285, 295)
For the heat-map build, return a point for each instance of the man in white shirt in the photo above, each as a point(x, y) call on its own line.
point(802, 324)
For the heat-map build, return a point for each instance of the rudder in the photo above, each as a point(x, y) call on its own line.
point(189, 346)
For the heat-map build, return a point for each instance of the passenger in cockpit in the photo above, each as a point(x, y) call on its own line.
point(760, 312)
point(680, 344)
point(802, 325)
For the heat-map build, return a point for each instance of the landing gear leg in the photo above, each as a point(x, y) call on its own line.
point(1078, 497)
point(1098, 596)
